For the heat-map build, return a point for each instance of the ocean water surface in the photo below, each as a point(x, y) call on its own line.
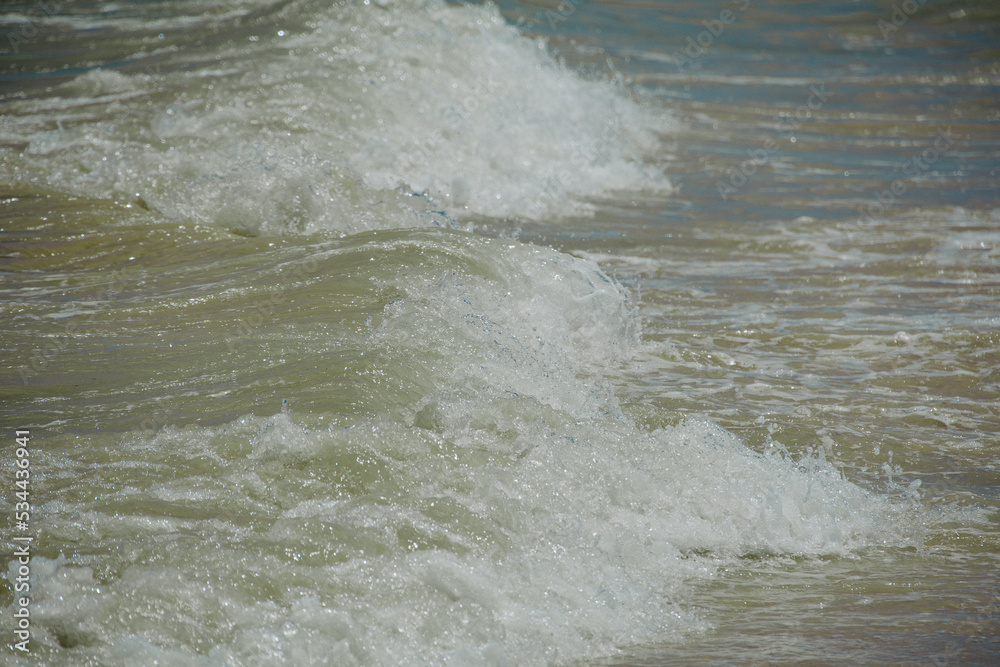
point(426, 333)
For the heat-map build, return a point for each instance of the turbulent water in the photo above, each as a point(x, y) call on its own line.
point(405, 332)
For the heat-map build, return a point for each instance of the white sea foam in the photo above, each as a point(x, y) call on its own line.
point(492, 505)
point(486, 499)
point(326, 124)
point(455, 549)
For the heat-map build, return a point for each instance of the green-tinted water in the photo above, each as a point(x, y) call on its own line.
point(542, 407)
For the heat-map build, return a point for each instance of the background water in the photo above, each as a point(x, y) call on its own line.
point(581, 333)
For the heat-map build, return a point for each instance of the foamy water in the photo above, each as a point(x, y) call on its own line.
point(376, 333)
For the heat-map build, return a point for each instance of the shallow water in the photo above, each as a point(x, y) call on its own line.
point(416, 333)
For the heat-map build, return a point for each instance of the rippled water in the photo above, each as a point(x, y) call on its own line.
point(581, 333)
